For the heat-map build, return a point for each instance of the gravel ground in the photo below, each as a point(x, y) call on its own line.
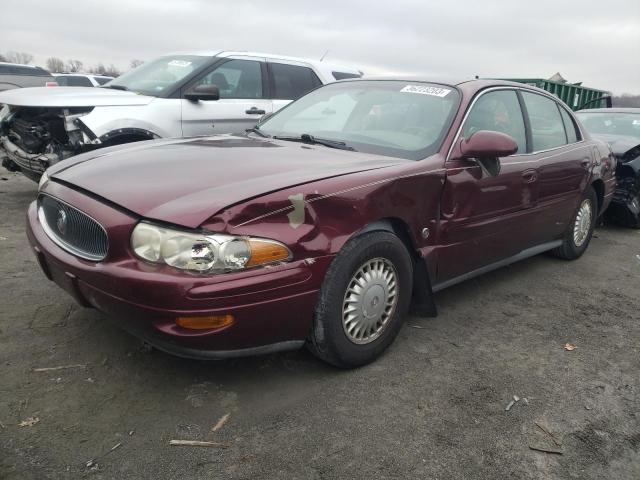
point(433, 407)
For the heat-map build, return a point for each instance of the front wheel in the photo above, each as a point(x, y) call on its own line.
point(363, 299)
point(580, 230)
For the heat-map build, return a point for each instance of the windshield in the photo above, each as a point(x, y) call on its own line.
point(626, 124)
point(155, 77)
point(393, 118)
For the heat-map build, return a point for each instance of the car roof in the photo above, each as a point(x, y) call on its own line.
point(78, 74)
point(611, 110)
point(8, 64)
point(472, 83)
point(325, 66)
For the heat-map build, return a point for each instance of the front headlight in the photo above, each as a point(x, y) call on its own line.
point(203, 252)
point(43, 179)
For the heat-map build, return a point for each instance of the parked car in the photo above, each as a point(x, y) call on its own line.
point(173, 96)
point(320, 225)
point(620, 128)
point(14, 75)
point(81, 80)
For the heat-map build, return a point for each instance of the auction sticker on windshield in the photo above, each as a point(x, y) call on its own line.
point(424, 90)
point(178, 63)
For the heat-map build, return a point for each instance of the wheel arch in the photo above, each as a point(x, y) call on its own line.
point(422, 301)
point(598, 187)
point(127, 135)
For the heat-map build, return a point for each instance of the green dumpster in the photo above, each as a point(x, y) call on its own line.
point(573, 94)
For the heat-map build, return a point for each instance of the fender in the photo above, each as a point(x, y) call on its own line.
point(422, 302)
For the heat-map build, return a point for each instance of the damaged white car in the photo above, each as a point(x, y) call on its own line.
point(180, 95)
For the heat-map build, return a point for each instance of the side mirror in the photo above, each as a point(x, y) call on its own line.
point(487, 146)
point(203, 92)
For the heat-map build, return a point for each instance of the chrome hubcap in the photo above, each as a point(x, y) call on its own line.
point(370, 301)
point(583, 223)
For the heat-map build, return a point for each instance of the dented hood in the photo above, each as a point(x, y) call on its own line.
point(71, 97)
point(186, 181)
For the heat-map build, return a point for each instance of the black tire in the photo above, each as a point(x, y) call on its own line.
point(570, 250)
point(328, 339)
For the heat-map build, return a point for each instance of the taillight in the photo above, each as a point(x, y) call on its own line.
point(51, 84)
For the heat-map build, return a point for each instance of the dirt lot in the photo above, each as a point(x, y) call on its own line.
point(432, 408)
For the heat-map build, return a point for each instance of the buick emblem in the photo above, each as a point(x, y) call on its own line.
point(61, 223)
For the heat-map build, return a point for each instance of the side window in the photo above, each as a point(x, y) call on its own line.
point(547, 128)
point(292, 81)
point(498, 111)
point(61, 81)
point(236, 79)
point(569, 126)
point(103, 80)
point(77, 81)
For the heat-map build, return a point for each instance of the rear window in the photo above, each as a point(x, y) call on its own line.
point(292, 81)
point(547, 127)
point(23, 70)
point(345, 75)
point(73, 81)
point(569, 125)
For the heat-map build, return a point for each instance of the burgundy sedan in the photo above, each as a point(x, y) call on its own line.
point(327, 222)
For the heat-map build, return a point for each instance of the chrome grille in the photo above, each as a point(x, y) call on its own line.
point(72, 229)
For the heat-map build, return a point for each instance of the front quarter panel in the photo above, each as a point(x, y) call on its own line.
point(162, 117)
point(317, 219)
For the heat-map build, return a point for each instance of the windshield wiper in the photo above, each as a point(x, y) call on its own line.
point(310, 139)
point(256, 129)
point(116, 87)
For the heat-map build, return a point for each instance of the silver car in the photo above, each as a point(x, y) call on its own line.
point(13, 75)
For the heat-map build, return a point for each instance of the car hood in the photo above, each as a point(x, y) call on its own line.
point(621, 146)
point(187, 181)
point(71, 97)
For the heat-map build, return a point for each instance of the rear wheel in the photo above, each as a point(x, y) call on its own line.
point(580, 230)
point(363, 299)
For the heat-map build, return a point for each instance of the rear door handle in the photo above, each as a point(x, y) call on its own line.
point(255, 111)
point(529, 176)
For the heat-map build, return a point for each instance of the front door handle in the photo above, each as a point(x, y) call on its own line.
point(255, 111)
point(529, 176)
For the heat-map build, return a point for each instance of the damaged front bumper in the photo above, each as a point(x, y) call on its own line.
point(32, 165)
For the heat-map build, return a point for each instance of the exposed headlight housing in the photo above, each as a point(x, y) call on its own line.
point(43, 180)
point(204, 252)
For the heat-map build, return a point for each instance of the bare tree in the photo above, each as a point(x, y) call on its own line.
point(112, 71)
point(136, 63)
point(98, 69)
point(55, 65)
point(626, 100)
point(74, 66)
point(19, 57)
point(3, 58)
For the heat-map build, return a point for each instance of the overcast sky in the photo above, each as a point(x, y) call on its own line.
point(589, 41)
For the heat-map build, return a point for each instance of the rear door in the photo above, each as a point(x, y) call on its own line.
point(290, 81)
point(243, 98)
point(484, 218)
point(563, 161)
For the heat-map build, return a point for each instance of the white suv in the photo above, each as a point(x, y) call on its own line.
point(173, 96)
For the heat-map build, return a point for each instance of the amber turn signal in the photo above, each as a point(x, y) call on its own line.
point(266, 252)
point(205, 323)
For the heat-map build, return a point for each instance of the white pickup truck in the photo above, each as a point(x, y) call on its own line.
point(181, 95)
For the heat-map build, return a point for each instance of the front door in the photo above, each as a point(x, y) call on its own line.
point(484, 218)
point(242, 100)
